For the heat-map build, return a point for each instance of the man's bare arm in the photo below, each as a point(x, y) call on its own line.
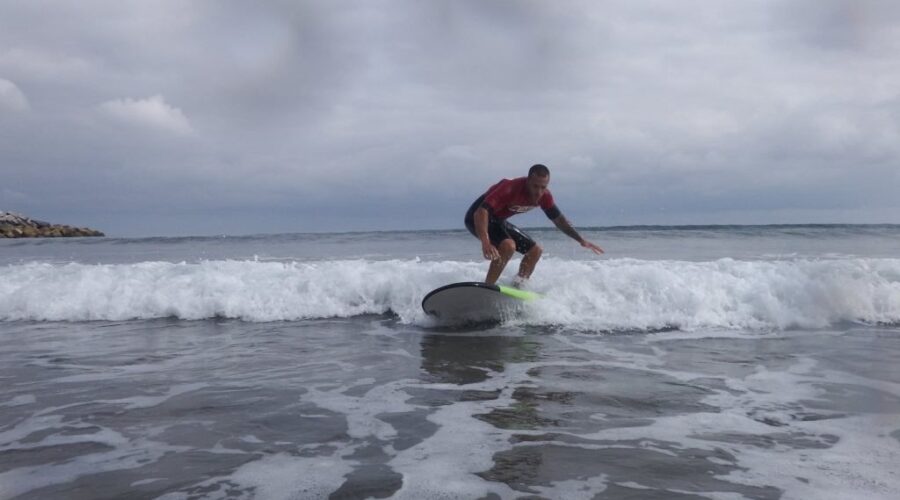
point(563, 225)
point(481, 229)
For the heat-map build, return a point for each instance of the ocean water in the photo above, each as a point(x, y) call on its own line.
point(687, 362)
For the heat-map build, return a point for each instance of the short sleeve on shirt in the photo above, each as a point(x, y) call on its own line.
point(496, 196)
point(546, 201)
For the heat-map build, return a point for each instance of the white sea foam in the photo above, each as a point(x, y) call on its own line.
point(616, 294)
point(278, 476)
point(25, 399)
point(763, 403)
point(361, 412)
point(117, 452)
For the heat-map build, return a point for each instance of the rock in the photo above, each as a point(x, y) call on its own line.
point(13, 225)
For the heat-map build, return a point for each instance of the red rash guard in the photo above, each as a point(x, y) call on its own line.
point(510, 197)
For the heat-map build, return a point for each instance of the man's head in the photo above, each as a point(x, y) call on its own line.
point(539, 170)
point(538, 180)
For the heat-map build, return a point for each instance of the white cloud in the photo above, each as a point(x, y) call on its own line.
point(11, 98)
point(42, 65)
point(151, 112)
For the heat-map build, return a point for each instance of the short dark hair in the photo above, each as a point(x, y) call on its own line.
point(539, 170)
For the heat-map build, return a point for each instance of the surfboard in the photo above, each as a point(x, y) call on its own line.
point(475, 302)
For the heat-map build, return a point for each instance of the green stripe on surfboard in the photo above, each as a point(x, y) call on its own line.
point(518, 294)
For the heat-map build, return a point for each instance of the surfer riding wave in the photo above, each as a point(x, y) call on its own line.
point(487, 220)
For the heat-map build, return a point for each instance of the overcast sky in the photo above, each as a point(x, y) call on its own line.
point(235, 117)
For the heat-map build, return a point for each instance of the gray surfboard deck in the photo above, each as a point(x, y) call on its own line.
point(475, 302)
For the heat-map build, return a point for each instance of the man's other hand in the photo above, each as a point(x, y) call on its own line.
point(490, 251)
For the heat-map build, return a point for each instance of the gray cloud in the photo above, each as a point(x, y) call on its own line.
point(11, 98)
point(345, 115)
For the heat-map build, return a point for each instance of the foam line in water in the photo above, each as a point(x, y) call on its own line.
point(616, 294)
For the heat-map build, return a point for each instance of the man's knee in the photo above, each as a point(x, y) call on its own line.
point(507, 248)
point(535, 252)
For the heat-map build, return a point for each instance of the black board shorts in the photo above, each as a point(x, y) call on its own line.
point(499, 229)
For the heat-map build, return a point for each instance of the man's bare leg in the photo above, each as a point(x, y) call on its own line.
point(506, 248)
point(529, 261)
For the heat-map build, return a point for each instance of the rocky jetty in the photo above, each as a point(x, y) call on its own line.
point(18, 226)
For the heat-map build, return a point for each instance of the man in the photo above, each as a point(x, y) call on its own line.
point(486, 220)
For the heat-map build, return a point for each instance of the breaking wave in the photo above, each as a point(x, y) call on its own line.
point(616, 294)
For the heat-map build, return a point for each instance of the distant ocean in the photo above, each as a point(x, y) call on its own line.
point(718, 362)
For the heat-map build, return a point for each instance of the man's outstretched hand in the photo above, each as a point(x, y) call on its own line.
point(592, 247)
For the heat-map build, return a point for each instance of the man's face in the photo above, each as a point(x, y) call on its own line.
point(536, 186)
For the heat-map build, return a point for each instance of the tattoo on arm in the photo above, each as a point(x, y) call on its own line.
point(567, 228)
